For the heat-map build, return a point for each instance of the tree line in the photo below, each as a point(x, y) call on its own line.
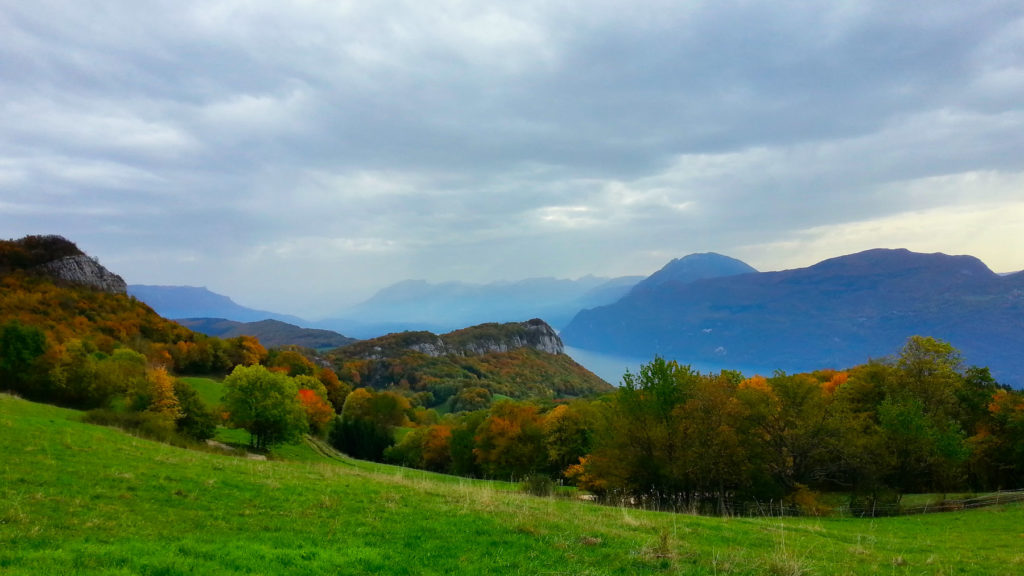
point(672, 437)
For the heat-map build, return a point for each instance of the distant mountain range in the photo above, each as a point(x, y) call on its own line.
point(196, 302)
point(270, 333)
point(411, 304)
point(837, 313)
point(420, 305)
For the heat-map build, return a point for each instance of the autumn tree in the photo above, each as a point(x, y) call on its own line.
point(319, 413)
point(337, 390)
point(291, 362)
point(471, 398)
point(568, 431)
point(510, 442)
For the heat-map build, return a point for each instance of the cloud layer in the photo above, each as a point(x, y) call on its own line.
point(300, 155)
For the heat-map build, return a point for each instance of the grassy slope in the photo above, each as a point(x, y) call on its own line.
point(81, 499)
point(210, 391)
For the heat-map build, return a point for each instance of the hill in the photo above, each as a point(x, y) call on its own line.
point(48, 283)
point(420, 305)
point(270, 333)
point(517, 359)
point(838, 313)
point(150, 508)
point(194, 302)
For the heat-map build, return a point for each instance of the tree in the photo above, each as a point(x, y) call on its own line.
point(365, 427)
point(931, 371)
point(567, 435)
point(319, 413)
point(510, 442)
point(471, 398)
point(292, 362)
point(20, 347)
point(337, 390)
point(164, 401)
point(197, 421)
point(264, 403)
point(636, 443)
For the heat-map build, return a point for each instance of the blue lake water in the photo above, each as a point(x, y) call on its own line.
point(611, 367)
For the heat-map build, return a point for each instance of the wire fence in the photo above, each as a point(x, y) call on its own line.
point(895, 508)
point(863, 508)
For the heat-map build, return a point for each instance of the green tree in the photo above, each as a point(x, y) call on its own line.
point(636, 443)
point(197, 421)
point(266, 404)
point(21, 347)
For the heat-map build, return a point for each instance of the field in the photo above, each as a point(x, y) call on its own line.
point(210, 391)
point(82, 499)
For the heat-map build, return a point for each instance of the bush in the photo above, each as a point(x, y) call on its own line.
point(538, 485)
point(151, 425)
point(808, 502)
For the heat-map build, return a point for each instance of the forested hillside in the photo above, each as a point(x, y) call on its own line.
point(517, 359)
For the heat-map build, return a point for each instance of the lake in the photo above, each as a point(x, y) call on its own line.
point(611, 367)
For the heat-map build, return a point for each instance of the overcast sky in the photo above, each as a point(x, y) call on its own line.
point(297, 156)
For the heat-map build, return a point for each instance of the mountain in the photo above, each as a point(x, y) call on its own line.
point(195, 302)
point(694, 267)
point(516, 359)
point(420, 305)
point(837, 313)
point(270, 333)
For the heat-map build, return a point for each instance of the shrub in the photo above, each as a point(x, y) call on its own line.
point(538, 485)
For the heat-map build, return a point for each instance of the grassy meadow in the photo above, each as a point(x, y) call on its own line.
point(210, 391)
point(83, 499)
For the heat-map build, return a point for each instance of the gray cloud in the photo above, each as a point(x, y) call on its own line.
point(299, 156)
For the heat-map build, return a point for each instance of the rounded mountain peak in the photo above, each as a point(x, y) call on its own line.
point(695, 267)
point(898, 260)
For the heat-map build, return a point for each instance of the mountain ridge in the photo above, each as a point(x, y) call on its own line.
point(271, 333)
point(839, 312)
point(200, 302)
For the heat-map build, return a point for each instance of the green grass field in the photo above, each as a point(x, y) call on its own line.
point(210, 391)
point(82, 499)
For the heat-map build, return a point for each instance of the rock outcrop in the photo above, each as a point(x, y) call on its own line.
point(84, 271)
point(491, 338)
point(472, 341)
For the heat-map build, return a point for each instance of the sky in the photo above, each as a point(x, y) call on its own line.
point(298, 156)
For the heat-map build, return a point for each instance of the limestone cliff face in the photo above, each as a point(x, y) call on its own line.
point(535, 334)
point(491, 338)
point(473, 341)
point(85, 271)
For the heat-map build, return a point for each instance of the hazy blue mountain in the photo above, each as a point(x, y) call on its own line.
point(420, 305)
point(837, 313)
point(271, 333)
point(195, 302)
point(694, 267)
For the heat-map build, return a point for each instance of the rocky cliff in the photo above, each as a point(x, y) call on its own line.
point(59, 258)
point(517, 359)
point(490, 338)
point(473, 341)
point(85, 271)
